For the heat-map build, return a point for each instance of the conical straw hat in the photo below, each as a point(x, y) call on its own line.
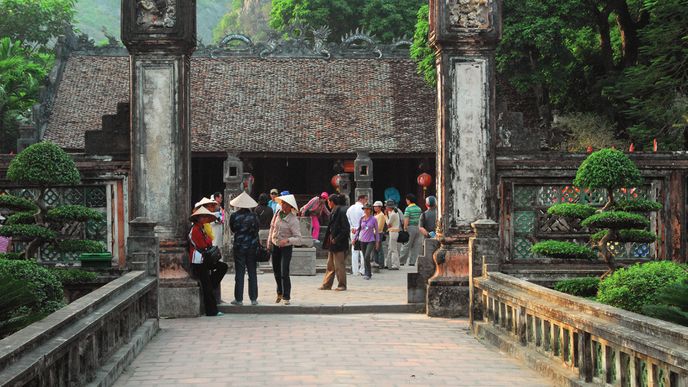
point(243, 201)
point(200, 212)
point(290, 199)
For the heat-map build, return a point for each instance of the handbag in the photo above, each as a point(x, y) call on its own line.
point(211, 256)
point(262, 254)
point(357, 245)
point(403, 236)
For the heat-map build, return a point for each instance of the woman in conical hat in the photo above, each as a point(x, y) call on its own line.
point(285, 232)
point(210, 277)
point(244, 225)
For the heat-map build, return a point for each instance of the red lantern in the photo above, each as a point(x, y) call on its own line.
point(335, 181)
point(424, 180)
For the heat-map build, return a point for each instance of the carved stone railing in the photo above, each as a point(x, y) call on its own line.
point(91, 339)
point(579, 341)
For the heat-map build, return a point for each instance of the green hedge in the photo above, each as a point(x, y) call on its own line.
point(572, 210)
point(73, 213)
point(26, 217)
point(28, 231)
point(16, 203)
point(672, 306)
point(74, 276)
point(79, 246)
point(640, 236)
point(14, 311)
point(616, 220)
point(43, 164)
point(607, 168)
point(636, 205)
point(559, 249)
point(11, 256)
point(580, 287)
point(633, 287)
point(42, 282)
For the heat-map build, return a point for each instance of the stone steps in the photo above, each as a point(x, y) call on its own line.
point(321, 309)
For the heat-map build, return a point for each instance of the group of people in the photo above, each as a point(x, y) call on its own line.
point(370, 232)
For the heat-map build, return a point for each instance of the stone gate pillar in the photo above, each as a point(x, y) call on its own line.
point(160, 36)
point(464, 34)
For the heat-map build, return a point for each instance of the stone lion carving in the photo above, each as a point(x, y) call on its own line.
point(473, 14)
point(156, 13)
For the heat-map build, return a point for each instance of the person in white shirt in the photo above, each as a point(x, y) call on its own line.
point(354, 215)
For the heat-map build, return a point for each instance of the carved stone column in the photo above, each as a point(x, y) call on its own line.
point(160, 36)
point(464, 34)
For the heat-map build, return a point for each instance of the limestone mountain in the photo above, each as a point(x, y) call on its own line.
point(249, 17)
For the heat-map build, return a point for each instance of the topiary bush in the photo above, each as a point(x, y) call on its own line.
point(74, 276)
point(580, 287)
point(42, 283)
point(672, 304)
point(616, 221)
point(636, 286)
point(45, 165)
point(14, 314)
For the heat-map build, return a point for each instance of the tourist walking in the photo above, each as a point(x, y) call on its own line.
point(411, 250)
point(354, 214)
point(264, 212)
point(368, 237)
point(244, 225)
point(315, 208)
point(285, 232)
point(210, 277)
point(218, 224)
point(393, 227)
point(428, 220)
point(381, 221)
point(274, 193)
point(336, 243)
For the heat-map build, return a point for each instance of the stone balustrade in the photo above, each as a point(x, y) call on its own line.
point(89, 340)
point(578, 341)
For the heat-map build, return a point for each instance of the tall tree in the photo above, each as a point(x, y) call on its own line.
point(342, 16)
point(390, 19)
point(35, 22)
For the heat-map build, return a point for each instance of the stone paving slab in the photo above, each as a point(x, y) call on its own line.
point(389, 287)
point(339, 350)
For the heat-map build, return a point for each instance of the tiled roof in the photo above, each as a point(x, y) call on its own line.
point(268, 105)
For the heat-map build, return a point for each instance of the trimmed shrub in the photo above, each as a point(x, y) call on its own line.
point(16, 203)
point(673, 304)
point(27, 230)
point(43, 284)
point(73, 213)
point(572, 210)
point(74, 276)
point(633, 287)
point(80, 246)
point(11, 256)
point(43, 164)
point(616, 220)
point(14, 314)
point(607, 168)
point(636, 205)
point(580, 287)
point(640, 236)
point(560, 249)
point(21, 218)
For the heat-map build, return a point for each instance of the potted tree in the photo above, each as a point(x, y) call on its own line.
point(619, 220)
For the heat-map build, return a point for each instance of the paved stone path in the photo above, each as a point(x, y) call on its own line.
point(355, 350)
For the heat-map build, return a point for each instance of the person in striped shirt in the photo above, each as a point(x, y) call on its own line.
point(411, 250)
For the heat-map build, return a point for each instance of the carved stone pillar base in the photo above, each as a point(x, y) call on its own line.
point(448, 293)
point(417, 283)
point(179, 295)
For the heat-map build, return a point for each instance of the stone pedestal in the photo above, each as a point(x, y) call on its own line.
point(160, 39)
point(417, 282)
point(483, 248)
point(143, 253)
point(302, 261)
point(464, 35)
point(363, 174)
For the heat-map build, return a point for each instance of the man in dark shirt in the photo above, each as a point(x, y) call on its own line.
point(428, 220)
point(264, 212)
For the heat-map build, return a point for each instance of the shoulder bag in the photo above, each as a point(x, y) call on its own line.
point(262, 254)
point(211, 256)
point(403, 236)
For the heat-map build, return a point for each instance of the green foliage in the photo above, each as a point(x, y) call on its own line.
point(580, 287)
point(636, 205)
point(16, 203)
point(421, 51)
point(560, 249)
point(616, 220)
point(79, 246)
point(652, 94)
point(587, 129)
point(28, 231)
point(14, 314)
point(607, 168)
point(43, 164)
point(672, 304)
point(74, 276)
point(35, 21)
point(342, 16)
point(41, 281)
point(640, 236)
point(11, 256)
point(241, 17)
point(21, 218)
point(390, 19)
point(634, 287)
point(572, 210)
point(21, 73)
point(73, 213)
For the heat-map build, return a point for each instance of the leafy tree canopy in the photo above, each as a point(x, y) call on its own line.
point(607, 168)
point(35, 21)
point(43, 164)
point(420, 50)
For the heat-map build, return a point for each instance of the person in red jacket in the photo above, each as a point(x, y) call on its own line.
point(210, 277)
